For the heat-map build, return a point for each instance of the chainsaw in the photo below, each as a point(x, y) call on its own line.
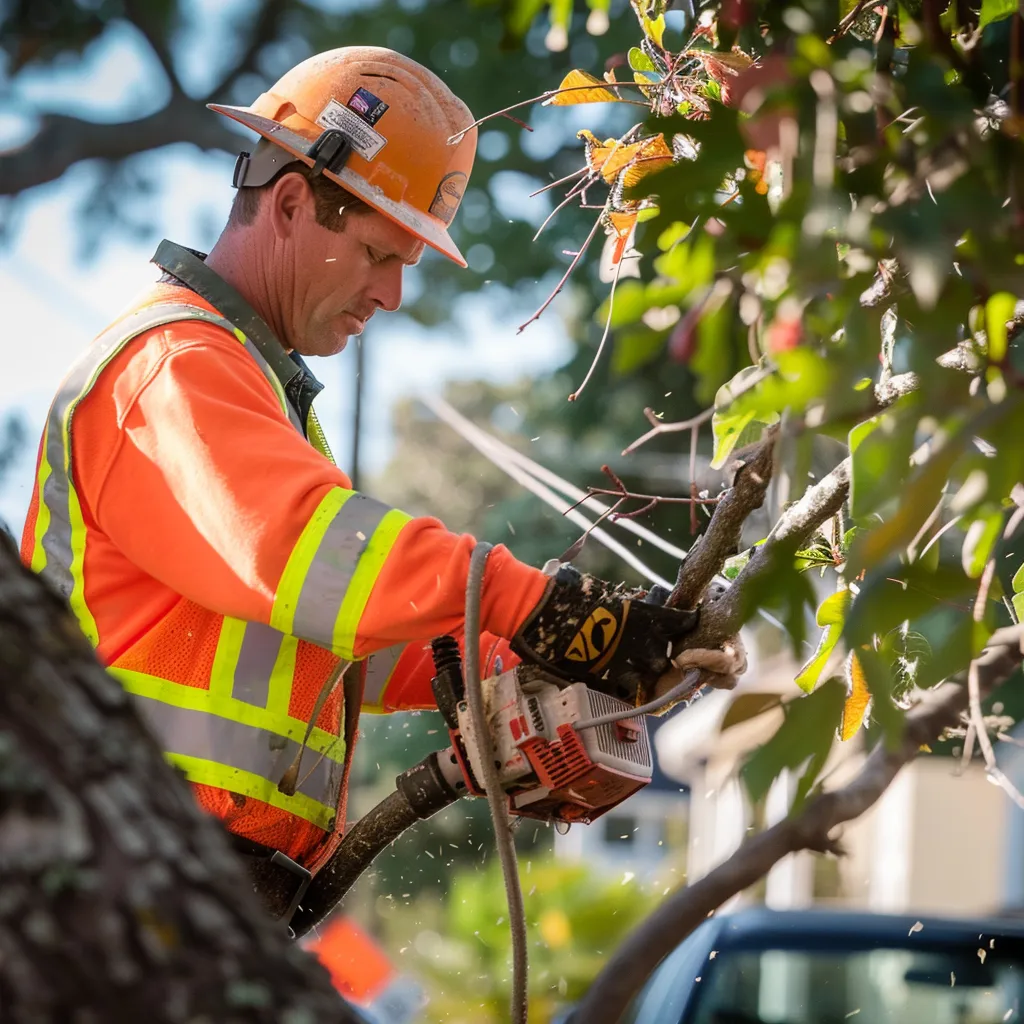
point(563, 752)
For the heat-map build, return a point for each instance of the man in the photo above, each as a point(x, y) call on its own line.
point(187, 505)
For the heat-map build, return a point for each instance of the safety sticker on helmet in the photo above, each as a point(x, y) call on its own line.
point(366, 141)
point(448, 196)
point(369, 107)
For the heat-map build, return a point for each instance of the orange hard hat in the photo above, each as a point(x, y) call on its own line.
point(379, 125)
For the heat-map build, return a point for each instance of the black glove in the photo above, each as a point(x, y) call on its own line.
point(614, 639)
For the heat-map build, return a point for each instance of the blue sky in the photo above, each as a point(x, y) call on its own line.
point(56, 299)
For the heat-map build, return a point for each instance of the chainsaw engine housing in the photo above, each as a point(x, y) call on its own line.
point(550, 767)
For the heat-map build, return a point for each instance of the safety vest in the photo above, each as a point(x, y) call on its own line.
point(232, 731)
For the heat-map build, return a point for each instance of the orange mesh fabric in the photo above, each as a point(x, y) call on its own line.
point(181, 647)
point(262, 823)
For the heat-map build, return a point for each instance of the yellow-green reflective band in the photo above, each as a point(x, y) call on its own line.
point(195, 699)
point(42, 510)
point(282, 676)
point(77, 597)
point(234, 780)
point(265, 370)
point(317, 437)
point(286, 600)
point(368, 569)
point(225, 660)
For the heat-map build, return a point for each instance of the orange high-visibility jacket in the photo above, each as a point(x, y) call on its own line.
point(223, 566)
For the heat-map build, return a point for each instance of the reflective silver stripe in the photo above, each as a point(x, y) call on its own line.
point(379, 669)
point(333, 566)
point(236, 745)
point(57, 539)
point(256, 658)
point(80, 379)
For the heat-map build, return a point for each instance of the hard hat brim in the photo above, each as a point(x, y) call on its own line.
point(427, 229)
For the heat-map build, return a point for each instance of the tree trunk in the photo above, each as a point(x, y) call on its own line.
point(119, 899)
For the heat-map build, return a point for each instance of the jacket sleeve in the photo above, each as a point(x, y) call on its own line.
point(210, 490)
point(398, 678)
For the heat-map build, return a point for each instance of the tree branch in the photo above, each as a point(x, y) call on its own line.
point(144, 16)
point(811, 829)
point(722, 537)
point(265, 29)
point(722, 618)
point(62, 141)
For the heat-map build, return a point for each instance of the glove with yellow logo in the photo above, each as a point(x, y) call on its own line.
point(614, 639)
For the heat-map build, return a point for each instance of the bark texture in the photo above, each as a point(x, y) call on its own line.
point(119, 899)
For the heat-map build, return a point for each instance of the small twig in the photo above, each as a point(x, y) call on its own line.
point(977, 719)
point(543, 98)
point(561, 181)
point(694, 433)
point(607, 330)
point(565, 277)
point(667, 428)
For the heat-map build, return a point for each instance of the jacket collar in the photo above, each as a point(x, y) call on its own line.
point(188, 267)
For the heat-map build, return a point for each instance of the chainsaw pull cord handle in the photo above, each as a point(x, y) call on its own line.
point(496, 801)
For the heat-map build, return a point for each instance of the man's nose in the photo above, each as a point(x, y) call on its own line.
point(387, 289)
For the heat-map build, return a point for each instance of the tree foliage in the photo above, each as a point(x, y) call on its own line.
point(824, 203)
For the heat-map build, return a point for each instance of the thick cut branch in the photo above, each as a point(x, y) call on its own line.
point(121, 899)
point(681, 913)
point(722, 537)
point(795, 526)
point(62, 141)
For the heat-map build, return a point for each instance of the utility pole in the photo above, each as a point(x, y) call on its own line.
point(357, 412)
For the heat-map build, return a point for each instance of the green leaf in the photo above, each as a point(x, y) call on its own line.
point(918, 497)
point(957, 639)
point(639, 61)
point(712, 360)
point(1018, 593)
point(880, 449)
point(998, 310)
point(807, 731)
point(979, 543)
point(636, 348)
point(996, 10)
point(731, 428)
point(736, 564)
point(831, 615)
point(893, 594)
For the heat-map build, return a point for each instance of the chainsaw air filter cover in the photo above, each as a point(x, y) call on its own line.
point(550, 764)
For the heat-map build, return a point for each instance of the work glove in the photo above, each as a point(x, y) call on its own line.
point(614, 639)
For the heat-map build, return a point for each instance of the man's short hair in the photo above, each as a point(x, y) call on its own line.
point(330, 198)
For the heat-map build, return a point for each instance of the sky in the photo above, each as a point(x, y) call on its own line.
point(57, 297)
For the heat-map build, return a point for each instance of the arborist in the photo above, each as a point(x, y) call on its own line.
point(187, 506)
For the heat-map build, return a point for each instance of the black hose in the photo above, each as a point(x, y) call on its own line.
point(411, 801)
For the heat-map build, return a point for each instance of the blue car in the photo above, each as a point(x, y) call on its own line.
point(824, 967)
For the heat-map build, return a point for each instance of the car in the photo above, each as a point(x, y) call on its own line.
point(760, 966)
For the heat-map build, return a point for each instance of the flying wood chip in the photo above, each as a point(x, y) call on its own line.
point(576, 81)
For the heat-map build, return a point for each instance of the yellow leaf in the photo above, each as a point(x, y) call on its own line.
point(577, 81)
point(857, 702)
point(633, 160)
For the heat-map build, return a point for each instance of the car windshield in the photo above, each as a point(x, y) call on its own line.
point(878, 986)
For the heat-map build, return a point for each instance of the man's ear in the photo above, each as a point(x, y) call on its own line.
point(290, 202)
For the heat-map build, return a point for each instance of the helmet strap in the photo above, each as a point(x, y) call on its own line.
point(330, 152)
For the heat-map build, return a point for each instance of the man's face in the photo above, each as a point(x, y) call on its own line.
point(341, 278)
